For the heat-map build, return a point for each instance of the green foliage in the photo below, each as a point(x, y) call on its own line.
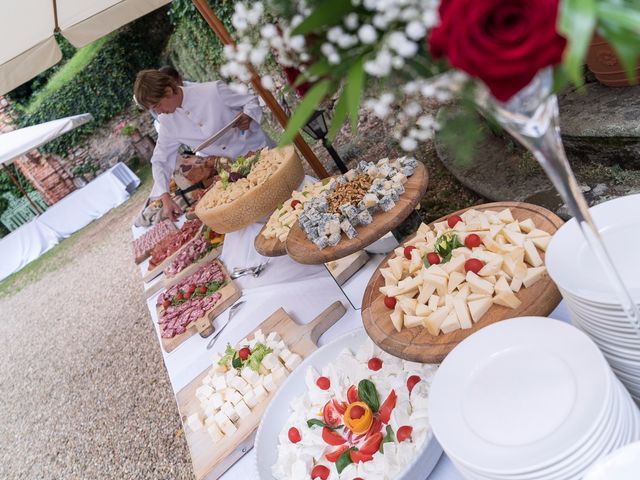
point(7, 186)
point(194, 48)
point(104, 86)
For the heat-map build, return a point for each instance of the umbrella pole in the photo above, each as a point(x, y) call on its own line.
point(15, 180)
point(222, 33)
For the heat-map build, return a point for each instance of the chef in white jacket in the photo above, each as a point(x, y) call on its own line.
point(190, 114)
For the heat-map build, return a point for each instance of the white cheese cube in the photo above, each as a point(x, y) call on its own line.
point(235, 397)
point(214, 432)
point(216, 401)
point(238, 383)
point(228, 428)
point(204, 392)
point(194, 421)
point(251, 376)
point(220, 418)
point(243, 410)
point(259, 336)
point(250, 399)
point(293, 361)
point(284, 354)
point(260, 393)
point(279, 375)
point(269, 384)
point(219, 382)
point(230, 375)
point(229, 411)
point(273, 337)
point(270, 361)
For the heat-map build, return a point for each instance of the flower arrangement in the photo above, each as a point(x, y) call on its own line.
point(393, 56)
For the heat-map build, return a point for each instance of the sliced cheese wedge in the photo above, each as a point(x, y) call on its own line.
point(508, 299)
point(541, 242)
point(456, 264)
point(426, 290)
point(516, 238)
point(455, 279)
point(516, 284)
point(434, 302)
point(397, 318)
point(396, 265)
point(408, 305)
point(527, 225)
point(478, 307)
point(460, 306)
point(502, 286)
point(450, 323)
point(389, 277)
point(423, 310)
point(513, 226)
point(537, 233)
point(505, 216)
point(533, 275)
point(478, 285)
point(531, 255)
point(411, 321)
point(416, 262)
point(433, 322)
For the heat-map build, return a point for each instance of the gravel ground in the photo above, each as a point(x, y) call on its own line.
point(83, 389)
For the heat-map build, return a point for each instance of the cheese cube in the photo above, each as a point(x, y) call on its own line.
point(230, 375)
point(450, 323)
point(209, 409)
point(258, 336)
point(397, 317)
point(214, 431)
point(505, 216)
point(204, 391)
point(508, 299)
point(433, 302)
point(229, 411)
point(243, 410)
point(293, 361)
point(411, 321)
point(270, 361)
point(533, 275)
point(221, 419)
point(477, 308)
point(238, 382)
point(250, 376)
point(284, 354)
point(478, 285)
point(273, 337)
point(433, 322)
point(279, 375)
point(228, 428)
point(215, 401)
point(531, 255)
point(527, 225)
point(426, 290)
point(460, 306)
point(235, 397)
point(541, 242)
point(194, 421)
point(260, 393)
point(250, 399)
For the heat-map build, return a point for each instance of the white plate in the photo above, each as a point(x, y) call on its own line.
point(623, 464)
point(278, 412)
point(572, 264)
point(518, 395)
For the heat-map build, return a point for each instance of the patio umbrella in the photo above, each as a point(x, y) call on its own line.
point(18, 142)
point(27, 42)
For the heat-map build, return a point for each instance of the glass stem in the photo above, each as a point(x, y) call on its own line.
point(549, 152)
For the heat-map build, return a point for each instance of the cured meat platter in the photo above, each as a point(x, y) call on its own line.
point(211, 458)
point(190, 305)
point(417, 343)
point(143, 245)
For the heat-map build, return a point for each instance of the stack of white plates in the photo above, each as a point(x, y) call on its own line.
point(593, 303)
point(529, 398)
point(623, 464)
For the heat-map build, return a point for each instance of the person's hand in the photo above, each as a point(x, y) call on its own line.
point(243, 122)
point(170, 209)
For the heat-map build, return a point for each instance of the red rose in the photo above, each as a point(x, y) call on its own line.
point(292, 75)
point(502, 42)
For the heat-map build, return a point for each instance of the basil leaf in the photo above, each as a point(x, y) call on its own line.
point(315, 422)
point(368, 394)
point(343, 461)
point(389, 437)
point(236, 362)
point(446, 244)
point(425, 262)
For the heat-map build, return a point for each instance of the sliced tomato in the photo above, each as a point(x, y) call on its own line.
point(321, 472)
point(407, 251)
point(334, 455)
point(340, 406)
point(357, 456)
point(352, 394)
point(372, 444)
point(331, 415)
point(332, 438)
point(375, 427)
point(404, 433)
point(387, 407)
point(452, 220)
point(412, 381)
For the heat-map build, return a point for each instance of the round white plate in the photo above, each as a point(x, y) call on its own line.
point(623, 464)
point(572, 264)
point(518, 395)
point(278, 412)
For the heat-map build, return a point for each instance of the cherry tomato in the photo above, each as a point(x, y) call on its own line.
point(202, 289)
point(357, 456)
point(334, 455)
point(472, 241)
point(212, 235)
point(323, 383)
point(166, 304)
point(352, 394)
point(358, 478)
point(321, 472)
point(404, 433)
point(374, 364)
point(412, 381)
point(294, 203)
point(387, 407)
point(179, 296)
point(407, 251)
point(294, 435)
point(433, 258)
point(356, 412)
point(331, 415)
point(331, 437)
point(390, 302)
point(473, 265)
point(372, 444)
point(244, 353)
point(341, 407)
point(452, 220)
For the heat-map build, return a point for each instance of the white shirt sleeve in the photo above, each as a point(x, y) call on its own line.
point(163, 162)
point(247, 103)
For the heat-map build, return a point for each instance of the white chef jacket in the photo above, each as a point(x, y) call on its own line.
point(206, 108)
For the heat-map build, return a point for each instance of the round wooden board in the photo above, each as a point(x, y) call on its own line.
point(303, 250)
point(271, 247)
point(416, 344)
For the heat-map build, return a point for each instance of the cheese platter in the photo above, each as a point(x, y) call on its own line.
point(459, 274)
point(221, 433)
point(365, 204)
point(190, 306)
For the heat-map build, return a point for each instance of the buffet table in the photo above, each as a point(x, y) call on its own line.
point(303, 291)
point(67, 216)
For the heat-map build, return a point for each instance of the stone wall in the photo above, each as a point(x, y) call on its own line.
point(45, 172)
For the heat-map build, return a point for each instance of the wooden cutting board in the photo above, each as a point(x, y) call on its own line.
point(211, 460)
point(269, 247)
point(303, 250)
point(344, 268)
point(208, 258)
point(157, 270)
point(416, 344)
point(230, 293)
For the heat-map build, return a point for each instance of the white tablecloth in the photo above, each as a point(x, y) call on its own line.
point(69, 215)
point(303, 291)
